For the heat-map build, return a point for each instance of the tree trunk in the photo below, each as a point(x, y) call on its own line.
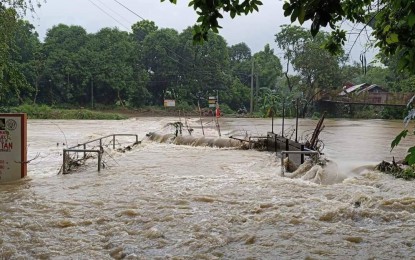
point(120, 99)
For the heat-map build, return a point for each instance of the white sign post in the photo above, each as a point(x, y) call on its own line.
point(212, 101)
point(13, 147)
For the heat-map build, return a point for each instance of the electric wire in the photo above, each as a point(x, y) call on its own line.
point(178, 55)
point(179, 59)
point(116, 13)
point(130, 10)
point(105, 12)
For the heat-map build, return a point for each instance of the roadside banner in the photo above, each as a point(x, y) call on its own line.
point(13, 146)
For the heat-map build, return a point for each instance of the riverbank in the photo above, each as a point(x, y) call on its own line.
point(47, 112)
point(118, 113)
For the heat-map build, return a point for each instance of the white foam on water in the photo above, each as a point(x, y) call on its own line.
point(162, 200)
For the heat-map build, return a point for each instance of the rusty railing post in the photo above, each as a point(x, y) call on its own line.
point(64, 162)
point(99, 161)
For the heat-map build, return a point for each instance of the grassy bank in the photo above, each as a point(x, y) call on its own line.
point(46, 112)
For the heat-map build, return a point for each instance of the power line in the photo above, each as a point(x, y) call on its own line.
point(130, 10)
point(109, 8)
point(139, 16)
point(184, 60)
point(105, 12)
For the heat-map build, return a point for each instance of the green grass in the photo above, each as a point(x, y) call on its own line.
point(46, 112)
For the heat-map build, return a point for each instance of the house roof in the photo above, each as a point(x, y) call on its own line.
point(364, 87)
point(368, 88)
point(353, 89)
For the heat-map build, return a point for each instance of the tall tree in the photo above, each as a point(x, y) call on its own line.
point(290, 39)
point(161, 62)
point(27, 57)
point(240, 62)
point(240, 65)
point(10, 77)
point(267, 67)
point(62, 48)
point(204, 68)
point(239, 53)
point(139, 95)
point(112, 66)
point(143, 28)
point(12, 81)
point(317, 67)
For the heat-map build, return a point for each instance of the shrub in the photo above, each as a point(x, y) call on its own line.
point(225, 109)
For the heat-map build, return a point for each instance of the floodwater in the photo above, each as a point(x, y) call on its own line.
point(167, 201)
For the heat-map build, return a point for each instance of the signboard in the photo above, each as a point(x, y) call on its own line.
point(212, 101)
point(13, 147)
point(169, 103)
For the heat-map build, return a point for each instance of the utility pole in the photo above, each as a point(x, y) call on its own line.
point(296, 120)
point(251, 108)
point(256, 89)
point(92, 93)
point(283, 117)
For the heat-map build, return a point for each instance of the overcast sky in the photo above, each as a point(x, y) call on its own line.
point(256, 29)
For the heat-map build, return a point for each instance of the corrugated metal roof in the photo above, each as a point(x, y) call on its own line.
point(352, 89)
point(368, 88)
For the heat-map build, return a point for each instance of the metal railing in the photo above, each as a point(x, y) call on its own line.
point(294, 152)
point(99, 151)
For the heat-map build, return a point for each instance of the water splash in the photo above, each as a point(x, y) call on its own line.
point(196, 141)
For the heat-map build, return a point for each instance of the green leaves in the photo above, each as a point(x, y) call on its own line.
point(393, 21)
point(335, 42)
point(301, 15)
point(411, 19)
point(210, 11)
point(392, 38)
point(295, 11)
point(398, 138)
point(410, 157)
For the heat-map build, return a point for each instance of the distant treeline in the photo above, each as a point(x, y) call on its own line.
point(73, 68)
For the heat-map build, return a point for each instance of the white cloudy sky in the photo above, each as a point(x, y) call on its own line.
point(256, 29)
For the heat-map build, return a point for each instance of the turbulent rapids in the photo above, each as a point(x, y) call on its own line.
point(197, 141)
point(317, 171)
point(321, 171)
point(166, 201)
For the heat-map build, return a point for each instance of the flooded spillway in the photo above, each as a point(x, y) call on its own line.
point(167, 201)
point(198, 141)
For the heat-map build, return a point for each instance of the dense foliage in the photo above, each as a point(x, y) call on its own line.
point(73, 68)
point(393, 21)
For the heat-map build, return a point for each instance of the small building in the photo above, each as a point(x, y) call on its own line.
point(348, 89)
point(372, 94)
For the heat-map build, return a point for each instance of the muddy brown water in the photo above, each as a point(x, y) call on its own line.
point(167, 201)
